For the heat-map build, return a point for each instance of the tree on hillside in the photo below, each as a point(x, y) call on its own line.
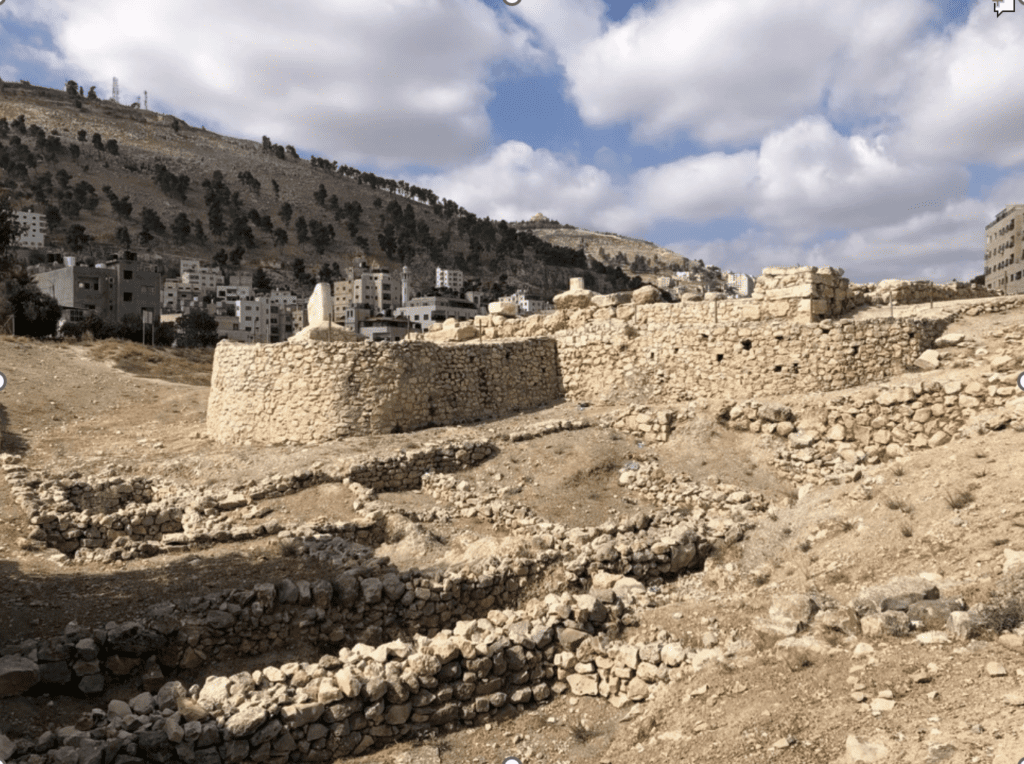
point(82, 136)
point(10, 229)
point(123, 238)
point(97, 142)
point(71, 88)
point(285, 213)
point(112, 147)
point(298, 268)
point(261, 281)
point(92, 93)
point(181, 228)
point(301, 230)
point(77, 238)
point(196, 329)
point(277, 188)
point(280, 237)
point(151, 222)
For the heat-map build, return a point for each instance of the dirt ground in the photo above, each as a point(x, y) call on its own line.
point(63, 409)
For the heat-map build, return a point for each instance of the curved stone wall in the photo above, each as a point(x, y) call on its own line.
point(317, 391)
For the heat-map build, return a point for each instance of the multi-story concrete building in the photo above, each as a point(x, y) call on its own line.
point(1004, 251)
point(449, 279)
point(33, 233)
point(259, 319)
point(527, 304)
point(370, 288)
point(424, 311)
point(205, 279)
point(174, 295)
point(741, 282)
point(232, 292)
point(113, 291)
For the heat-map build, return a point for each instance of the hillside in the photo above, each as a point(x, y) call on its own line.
point(169, 190)
point(632, 255)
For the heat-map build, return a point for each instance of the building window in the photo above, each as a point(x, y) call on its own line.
point(127, 296)
point(127, 275)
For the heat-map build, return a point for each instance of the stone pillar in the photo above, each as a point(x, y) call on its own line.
point(321, 304)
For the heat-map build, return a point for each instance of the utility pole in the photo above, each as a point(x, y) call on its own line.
point(115, 93)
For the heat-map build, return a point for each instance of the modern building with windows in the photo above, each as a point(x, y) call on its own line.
point(424, 311)
point(449, 279)
point(1004, 251)
point(373, 289)
point(33, 232)
point(741, 282)
point(113, 291)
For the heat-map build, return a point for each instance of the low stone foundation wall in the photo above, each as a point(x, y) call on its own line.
point(110, 518)
point(913, 292)
point(316, 391)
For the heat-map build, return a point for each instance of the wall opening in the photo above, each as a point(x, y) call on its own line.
point(778, 369)
point(856, 348)
point(746, 344)
point(796, 368)
point(719, 357)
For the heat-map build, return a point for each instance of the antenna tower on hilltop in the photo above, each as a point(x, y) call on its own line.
point(115, 93)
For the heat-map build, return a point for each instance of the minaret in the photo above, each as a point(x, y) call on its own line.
point(405, 285)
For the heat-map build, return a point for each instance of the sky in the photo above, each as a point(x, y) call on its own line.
point(876, 136)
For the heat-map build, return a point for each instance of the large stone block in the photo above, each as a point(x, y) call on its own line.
point(17, 675)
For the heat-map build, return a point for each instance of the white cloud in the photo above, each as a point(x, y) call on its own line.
point(698, 188)
point(966, 101)
point(728, 72)
point(390, 82)
point(516, 181)
point(812, 179)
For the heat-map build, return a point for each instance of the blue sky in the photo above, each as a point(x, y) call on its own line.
point(875, 136)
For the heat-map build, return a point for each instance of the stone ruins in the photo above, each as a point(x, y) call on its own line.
point(611, 349)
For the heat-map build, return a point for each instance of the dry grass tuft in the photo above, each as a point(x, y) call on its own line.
point(959, 498)
point(906, 529)
point(897, 469)
point(899, 503)
point(190, 366)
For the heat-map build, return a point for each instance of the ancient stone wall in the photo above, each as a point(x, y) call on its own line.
point(318, 391)
point(659, 361)
point(913, 292)
point(111, 518)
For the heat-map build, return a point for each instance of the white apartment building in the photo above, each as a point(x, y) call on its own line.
point(527, 304)
point(370, 288)
point(232, 292)
point(741, 282)
point(449, 279)
point(424, 311)
point(33, 234)
point(259, 319)
point(174, 295)
point(205, 279)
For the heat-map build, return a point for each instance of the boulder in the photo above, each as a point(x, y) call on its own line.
point(503, 308)
point(928, 360)
point(646, 295)
point(573, 300)
point(17, 674)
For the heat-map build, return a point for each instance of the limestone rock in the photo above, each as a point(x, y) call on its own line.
point(646, 295)
point(866, 751)
point(573, 300)
point(17, 675)
point(928, 360)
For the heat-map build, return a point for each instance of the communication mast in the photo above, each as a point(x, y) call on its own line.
point(115, 93)
point(145, 100)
